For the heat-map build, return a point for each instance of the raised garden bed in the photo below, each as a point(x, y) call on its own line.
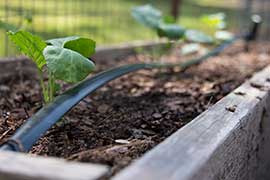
point(132, 114)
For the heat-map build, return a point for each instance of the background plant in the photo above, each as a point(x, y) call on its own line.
point(166, 26)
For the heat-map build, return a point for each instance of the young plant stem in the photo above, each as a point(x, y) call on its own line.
point(42, 84)
point(51, 86)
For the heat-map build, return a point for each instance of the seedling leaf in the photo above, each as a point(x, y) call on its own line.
point(198, 36)
point(147, 15)
point(171, 31)
point(60, 42)
point(67, 65)
point(84, 46)
point(30, 45)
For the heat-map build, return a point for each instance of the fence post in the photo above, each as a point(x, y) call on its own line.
point(175, 8)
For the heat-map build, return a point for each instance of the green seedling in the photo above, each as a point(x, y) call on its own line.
point(64, 59)
point(165, 26)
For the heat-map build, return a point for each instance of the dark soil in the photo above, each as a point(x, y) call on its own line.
point(130, 115)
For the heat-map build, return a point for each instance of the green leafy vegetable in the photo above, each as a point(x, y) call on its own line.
point(147, 15)
point(31, 45)
point(67, 65)
point(84, 46)
point(64, 58)
point(198, 36)
point(171, 31)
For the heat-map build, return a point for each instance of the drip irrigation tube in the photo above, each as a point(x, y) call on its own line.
point(28, 134)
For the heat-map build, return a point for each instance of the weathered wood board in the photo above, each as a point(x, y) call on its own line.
point(230, 141)
point(17, 166)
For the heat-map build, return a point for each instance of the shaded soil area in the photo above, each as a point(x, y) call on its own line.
point(132, 114)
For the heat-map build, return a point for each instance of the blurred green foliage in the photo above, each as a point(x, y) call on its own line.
point(107, 21)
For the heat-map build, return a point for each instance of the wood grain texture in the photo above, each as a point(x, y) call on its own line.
point(17, 166)
point(217, 145)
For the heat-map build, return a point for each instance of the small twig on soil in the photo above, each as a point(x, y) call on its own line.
point(209, 102)
point(27, 114)
point(5, 133)
point(8, 102)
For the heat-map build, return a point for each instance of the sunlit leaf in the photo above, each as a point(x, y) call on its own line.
point(198, 36)
point(31, 45)
point(84, 46)
point(66, 64)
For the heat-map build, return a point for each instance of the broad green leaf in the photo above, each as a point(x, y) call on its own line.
point(190, 48)
point(224, 35)
point(171, 31)
point(31, 45)
point(198, 36)
point(67, 65)
point(215, 20)
point(84, 46)
point(147, 15)
point(8, 27)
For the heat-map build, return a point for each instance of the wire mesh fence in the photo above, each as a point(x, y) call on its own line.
point(106, 21)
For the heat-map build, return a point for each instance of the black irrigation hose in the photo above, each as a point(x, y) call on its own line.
point(45, 118)
point(26, 136)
